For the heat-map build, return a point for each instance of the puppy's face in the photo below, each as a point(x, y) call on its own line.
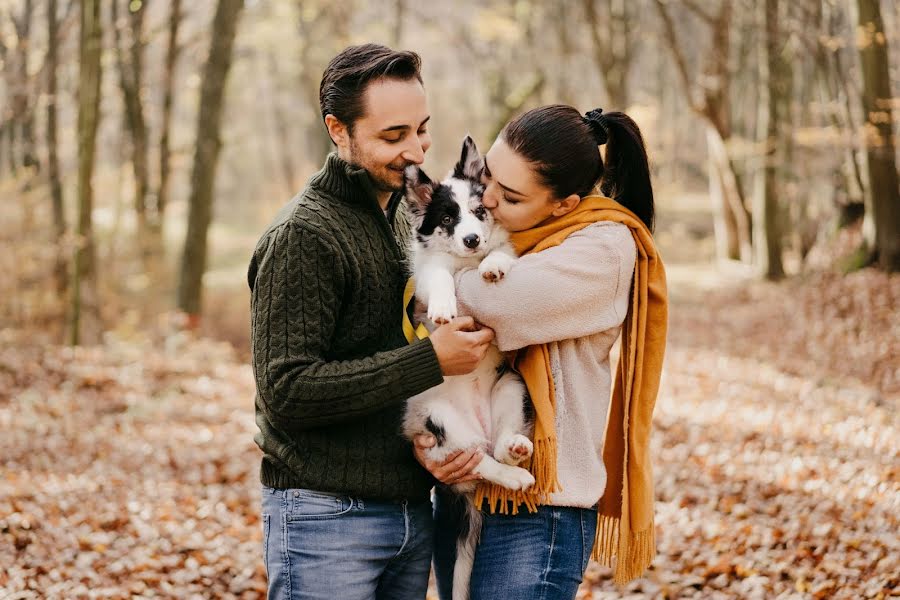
point(449, 216)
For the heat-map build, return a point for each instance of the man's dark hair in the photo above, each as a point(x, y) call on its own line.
point(349, 73)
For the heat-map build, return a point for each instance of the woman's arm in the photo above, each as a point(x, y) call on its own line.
point(578, 288)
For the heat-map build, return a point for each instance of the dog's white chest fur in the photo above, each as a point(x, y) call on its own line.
point(484, 408)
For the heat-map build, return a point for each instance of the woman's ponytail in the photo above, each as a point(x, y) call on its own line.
point(626, 170)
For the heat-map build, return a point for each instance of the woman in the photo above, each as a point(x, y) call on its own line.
point(583, 231)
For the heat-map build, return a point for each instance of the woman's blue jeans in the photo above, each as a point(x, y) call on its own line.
point(534, 556)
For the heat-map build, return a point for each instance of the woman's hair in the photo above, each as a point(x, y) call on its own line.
point(349, 74)
point(563, 147)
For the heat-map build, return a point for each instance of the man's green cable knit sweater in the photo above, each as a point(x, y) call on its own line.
point(332, 365)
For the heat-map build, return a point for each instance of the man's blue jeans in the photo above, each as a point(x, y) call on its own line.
point(533, 556)
point(320, 546)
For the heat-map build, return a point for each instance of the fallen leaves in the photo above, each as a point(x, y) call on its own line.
point(129, 469)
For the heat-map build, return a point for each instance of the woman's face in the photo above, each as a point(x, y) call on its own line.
point(513, 192)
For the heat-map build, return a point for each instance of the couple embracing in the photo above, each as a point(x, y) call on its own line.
point(347, 506)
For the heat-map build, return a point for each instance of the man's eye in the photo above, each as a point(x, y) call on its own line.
point(508, 200)
point(446, 219)
point(392, 140)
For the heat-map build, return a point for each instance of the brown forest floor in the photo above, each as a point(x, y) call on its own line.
point(129, 470)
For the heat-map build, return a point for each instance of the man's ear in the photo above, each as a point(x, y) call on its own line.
point(419, 188)
point(337, 131)
point(567, 205)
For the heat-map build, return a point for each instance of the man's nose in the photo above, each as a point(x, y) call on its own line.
point(414, 152)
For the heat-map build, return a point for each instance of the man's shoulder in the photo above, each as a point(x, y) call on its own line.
point(307, 211)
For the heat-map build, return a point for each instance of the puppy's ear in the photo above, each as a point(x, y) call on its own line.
point(419, 188)
point(470, 161)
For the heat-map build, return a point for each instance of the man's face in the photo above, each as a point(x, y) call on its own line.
point(392, 134)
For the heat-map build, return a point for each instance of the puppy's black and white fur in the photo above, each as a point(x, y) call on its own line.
point(486, 408)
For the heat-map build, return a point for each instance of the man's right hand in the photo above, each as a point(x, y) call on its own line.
point(460, 345)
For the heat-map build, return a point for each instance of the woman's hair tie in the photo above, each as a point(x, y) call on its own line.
point(596, 120)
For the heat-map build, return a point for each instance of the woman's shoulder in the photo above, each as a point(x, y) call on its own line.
point(607, 235)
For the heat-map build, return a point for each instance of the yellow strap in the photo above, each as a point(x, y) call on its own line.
point(411, 332)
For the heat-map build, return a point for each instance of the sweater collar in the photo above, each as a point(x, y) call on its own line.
point(344, 181)
point(352, 184)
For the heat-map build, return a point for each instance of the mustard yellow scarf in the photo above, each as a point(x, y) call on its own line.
point(625, 517)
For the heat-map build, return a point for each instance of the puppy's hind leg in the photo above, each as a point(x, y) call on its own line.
point(509, 425)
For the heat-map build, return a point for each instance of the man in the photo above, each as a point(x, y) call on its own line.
point(345, 506)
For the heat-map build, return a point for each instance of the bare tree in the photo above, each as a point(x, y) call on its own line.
point(130, 63)
point(206, 154)
point(53, 175)
point(707, 94)
point(766, 231)
point(84, 272)
point(397, 31)
point(19, 115)
point(883, 216)
point(323, 31)
point(172, 52)
point(282, 124)
point(613, 43)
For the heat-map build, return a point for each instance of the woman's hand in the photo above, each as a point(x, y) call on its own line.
point(458, 468)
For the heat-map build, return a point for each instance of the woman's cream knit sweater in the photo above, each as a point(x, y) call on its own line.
point(573, 297)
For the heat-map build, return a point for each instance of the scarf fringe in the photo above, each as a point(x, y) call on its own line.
point(506, 501)
point(640, 549)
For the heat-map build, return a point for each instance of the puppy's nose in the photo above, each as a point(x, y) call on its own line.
point(471, 240)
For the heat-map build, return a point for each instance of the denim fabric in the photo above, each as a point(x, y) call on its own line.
point(538, 556)
point(321, 546)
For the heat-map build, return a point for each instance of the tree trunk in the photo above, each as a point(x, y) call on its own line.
point(767, 237)
point(733, 207)
point(172, 50)
point(29, 147)
point(130, 73)
point(612, 44)
point(397, 29)
point(884, 215)
point(724, 225)
point(56, 193)
point(84, 274)
point(707, 93)
point(206, 155)
point(282, 126)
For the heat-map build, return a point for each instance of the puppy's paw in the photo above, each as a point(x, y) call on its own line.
point(514, 449)
point(442, 309)
point(516, 478)
point(495, 266)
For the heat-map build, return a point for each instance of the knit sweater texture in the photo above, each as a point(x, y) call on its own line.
point(331, 363)
point(573, 297)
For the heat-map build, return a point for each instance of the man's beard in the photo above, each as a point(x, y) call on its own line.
point(380, 175)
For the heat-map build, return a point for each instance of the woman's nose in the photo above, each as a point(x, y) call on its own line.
point(489, 199)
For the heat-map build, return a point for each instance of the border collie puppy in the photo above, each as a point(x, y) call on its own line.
point(485, 408)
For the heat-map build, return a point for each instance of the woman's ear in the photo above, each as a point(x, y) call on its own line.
point(337, 131)
point(567, 205)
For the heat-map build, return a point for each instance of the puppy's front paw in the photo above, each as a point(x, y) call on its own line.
point(516, 478)
point(514, 449)
point(495, 266)
point(442, 309)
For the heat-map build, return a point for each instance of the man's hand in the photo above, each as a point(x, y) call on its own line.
point(460, 345)
point(456, 469)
